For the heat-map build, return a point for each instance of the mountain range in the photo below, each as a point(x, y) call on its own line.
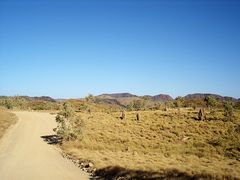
point(123, 99)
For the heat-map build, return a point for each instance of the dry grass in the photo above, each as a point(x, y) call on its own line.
point(162, 142)
point(6, 120)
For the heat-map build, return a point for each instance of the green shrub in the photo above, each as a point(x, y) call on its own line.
point(178, 102)
point(70, 126)
point(8, 103)
point(228, 111)
point(137, 105)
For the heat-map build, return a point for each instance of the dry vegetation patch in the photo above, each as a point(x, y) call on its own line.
point(162, 143)
point(6, 120)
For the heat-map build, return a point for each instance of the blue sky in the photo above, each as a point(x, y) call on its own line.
point(69, 48)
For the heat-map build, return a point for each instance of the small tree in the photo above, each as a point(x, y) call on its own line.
point(130, 106)
point(69, 125)
point(68, 110)
point(211, 103)
point(228, 111)
point(137, 105)
point(178, 102)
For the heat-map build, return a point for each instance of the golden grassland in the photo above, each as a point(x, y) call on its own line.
point(6, 120)
point(162, 141)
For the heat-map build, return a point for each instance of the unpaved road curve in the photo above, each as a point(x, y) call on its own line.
point(25, 156)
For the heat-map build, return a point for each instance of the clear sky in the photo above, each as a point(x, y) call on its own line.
point(69, 48)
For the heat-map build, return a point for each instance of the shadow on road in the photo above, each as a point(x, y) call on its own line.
point(52, 139)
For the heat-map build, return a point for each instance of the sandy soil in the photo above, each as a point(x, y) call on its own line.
point(25, 156)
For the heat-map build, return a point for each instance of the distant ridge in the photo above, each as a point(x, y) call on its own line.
point(119, 95)
point(162, 97)
point(125, 98)
point(204, 95)
point(43, 98)
point(36, 98)
point(121, 98)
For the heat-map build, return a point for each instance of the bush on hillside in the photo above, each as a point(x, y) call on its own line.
point(137, 105)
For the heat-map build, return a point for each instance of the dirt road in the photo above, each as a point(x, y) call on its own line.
point(25, 156)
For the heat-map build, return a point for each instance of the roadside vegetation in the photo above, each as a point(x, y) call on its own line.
point(6, 120)
point(70, 125)
point(25, 103)
point(167, 141)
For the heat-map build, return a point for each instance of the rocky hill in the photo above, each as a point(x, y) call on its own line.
point(119, 98)
point(125, 98)
point(162, 98)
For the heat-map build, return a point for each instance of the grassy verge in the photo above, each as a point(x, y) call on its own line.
point(162, 144)
point(6, 120)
